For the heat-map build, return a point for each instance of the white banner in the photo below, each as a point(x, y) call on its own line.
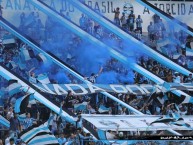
point(132, 122)
point(182, 10)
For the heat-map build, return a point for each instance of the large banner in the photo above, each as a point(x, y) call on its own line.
point(84, 89)
point(133, 122)
point(182, 10)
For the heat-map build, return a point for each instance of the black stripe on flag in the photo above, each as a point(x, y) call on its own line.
point(24, 104)
point(12, 81)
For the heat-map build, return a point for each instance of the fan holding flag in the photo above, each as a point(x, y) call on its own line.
point(32, 77)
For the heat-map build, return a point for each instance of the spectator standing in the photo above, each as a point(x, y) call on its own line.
point(116, 17)
point(93, 76)
point(176, 78)
point(32, 77)
point(90, 26)
point(15, 126)
point(131, 21)
point(124, 21)
point(139, 22)
point(69, 100)
point(82, 22)
point(28, 121)
point(150, 30)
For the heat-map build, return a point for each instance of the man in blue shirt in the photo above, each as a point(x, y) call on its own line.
point(139, 22)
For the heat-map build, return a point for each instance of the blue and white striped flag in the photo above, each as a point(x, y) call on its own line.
point(4, 121)
point(103, 109)
point(14, 87)
point(38, 135)
point(22, 117)
point(43, 78)
point(80, 106)
point(21, 104)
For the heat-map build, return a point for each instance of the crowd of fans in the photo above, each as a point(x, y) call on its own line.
point(63, 130)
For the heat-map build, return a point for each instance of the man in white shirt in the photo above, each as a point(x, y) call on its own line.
point(11, 142)
point(176, 78)
point(93, 76)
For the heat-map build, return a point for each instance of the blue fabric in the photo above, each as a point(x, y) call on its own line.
point(80, 107)
point(17, 104)
point(62, 141)
point(42, 128)
point(102, 136)
point(49, 138)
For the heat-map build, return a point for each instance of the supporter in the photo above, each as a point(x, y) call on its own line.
point(110, 135)
point(146, 111)
point(79, 121)
point(15, 126)
point(32, 77)
point(71, 139)
point(90, 28)
point(10, 113)
point(189, 79)
point(176, 78)
point(82, 22)
point(22, 21)
point(136, 101)
point(116, 17)
point(29, 121)
point(69, 100)
point(11, 142)
point(81, 137)
point(156, 18)
point(93, 76)
point(124, 111)
point(162, 29)
point(131, 21)
point(151, 31)
point(139, 22)
point(138, 34)
point(124, 21)
point(90, 110)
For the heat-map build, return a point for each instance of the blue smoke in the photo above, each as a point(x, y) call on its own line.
point(90, 58)
point(61, 77)
point(110, 77)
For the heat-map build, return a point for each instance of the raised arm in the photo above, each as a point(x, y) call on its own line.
point(100, 71)
point(29, 73)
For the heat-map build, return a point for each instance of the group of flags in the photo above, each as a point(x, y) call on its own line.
point(174, 119)
point(36, 134)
